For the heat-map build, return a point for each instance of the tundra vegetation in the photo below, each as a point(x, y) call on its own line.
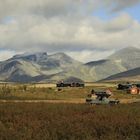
point(65, 121)
point(50, 92)
point(44, 121)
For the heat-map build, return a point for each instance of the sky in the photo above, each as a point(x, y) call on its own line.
point(87, 30)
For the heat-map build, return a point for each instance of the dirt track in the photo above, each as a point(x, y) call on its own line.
point(72, 101)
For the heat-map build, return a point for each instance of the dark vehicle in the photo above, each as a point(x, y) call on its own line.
point(137, 85)
point(101, 97)
point(124, 86)
point(61, 84)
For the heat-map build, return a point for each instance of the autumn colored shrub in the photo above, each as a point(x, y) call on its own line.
point(43, 121)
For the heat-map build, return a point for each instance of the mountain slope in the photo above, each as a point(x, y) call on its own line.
point(122, 60)
point(96, 63)
point(19, 67)
point(128, 57)
point(129, 75)
point(39, 67)
point(108, 68)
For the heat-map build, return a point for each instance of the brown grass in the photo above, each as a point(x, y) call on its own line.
point(49, 92)
point(41, 121)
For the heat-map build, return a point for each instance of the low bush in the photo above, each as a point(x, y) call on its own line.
point(43, 121)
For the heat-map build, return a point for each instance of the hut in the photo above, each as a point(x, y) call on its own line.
point(71, 82)
point(134, 90)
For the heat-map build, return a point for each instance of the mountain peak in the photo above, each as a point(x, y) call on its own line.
point(60, 54)
point(128, 57)
point(31, 56)
point(63, 57)
point(128, 52)
point(130, 48)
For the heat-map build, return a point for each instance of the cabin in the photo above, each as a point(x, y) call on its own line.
point(70, 82)
point(134, 90)
point(61, 84)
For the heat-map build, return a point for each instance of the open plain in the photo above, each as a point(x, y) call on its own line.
point(42, 111)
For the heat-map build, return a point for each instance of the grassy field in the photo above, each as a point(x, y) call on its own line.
point(42, 121)
point(65, 121)
point(50, 92)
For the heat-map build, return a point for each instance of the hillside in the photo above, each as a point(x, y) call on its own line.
point(122, 60)
point(128, 57)
point(130, 75)
point(41, 67)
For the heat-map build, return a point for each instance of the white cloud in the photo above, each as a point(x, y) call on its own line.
point(61, 34)
point(86, 56)
point(6, 54)
point(47, 25)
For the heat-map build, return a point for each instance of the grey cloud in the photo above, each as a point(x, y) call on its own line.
point(21, 7)
point(58, 34)
point(65, 25)
point(50, 8)
point(118, 5)
point(46, 8)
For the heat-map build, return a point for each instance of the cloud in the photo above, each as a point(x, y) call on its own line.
point(51, 8)
point(46, 8)
point(66, 26)
point(33, 33)
point(119, 5)
point(6, 54)
point(86, 55)
point(120, 23)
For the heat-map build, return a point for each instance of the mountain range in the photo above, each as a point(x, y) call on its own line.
point(41, 67)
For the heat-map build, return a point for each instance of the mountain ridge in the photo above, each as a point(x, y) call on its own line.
point(126, 75)
point(30, 67)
